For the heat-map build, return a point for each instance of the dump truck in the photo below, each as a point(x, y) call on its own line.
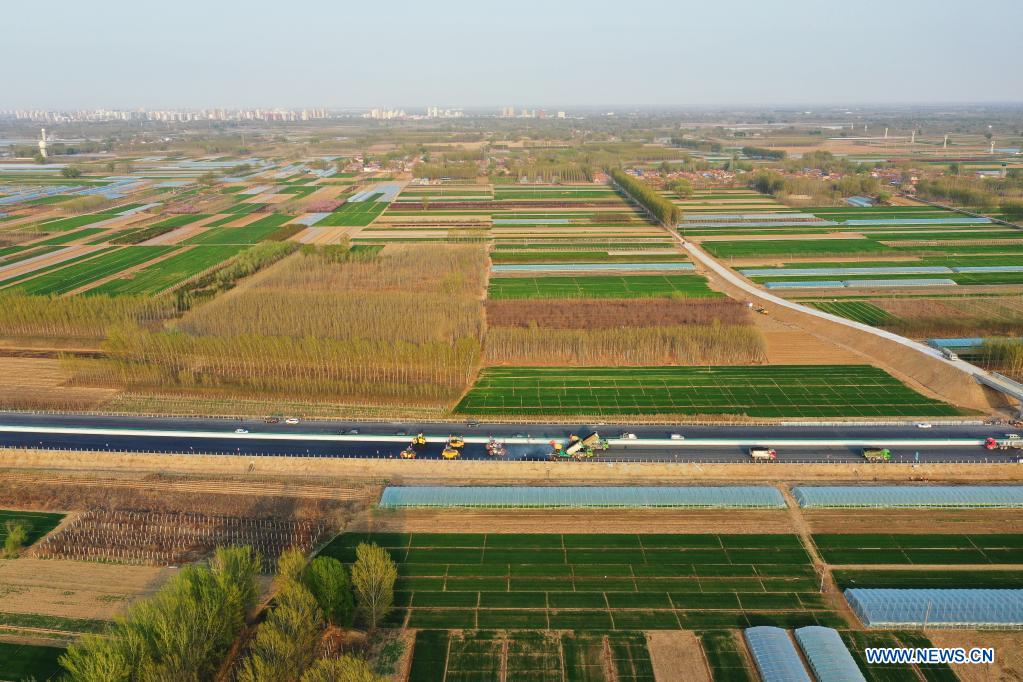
point(578, 447)
point(1011, 441)
point(877, 454)
point(496, 448)
point(763, 454)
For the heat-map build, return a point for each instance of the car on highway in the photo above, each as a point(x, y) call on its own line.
point(923, 425)
point(628, 436)
point(352, 432)
point(272, 420)
point(676, 436)
point(241, 430)
point(291, 420)
point(472, 424)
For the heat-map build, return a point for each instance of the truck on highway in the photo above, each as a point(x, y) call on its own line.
point(763, 454)
point(578, 447)
point(877, 454)
point(1011, 441)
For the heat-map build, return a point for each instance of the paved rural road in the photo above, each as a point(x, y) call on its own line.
point(726, 443)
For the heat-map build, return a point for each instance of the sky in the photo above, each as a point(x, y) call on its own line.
point(479, 53)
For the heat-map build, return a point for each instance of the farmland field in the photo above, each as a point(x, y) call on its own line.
point(250, 234)
point(858, 311)
point(68, 279)
point(758, 391)
point(793, 247)
point(357, 214)
point(531, 656)
point(950, 578)
point(631, 286)
point(165, 274)
point(38, 523)
point(725, 658)
point(27, 661)
point(597, 582)
point(948, 549)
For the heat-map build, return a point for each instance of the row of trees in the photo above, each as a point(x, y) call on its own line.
point(712, 344)
point(764, 153)
point(286, 647)
point(184, 632)
point(815, 190)
point(78, 317)
point(663, 210)
point(990, 194)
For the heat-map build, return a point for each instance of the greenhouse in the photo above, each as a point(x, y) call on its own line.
point(775, 655)
point(724, 497)
point(827, 655)
point(919, 496)
point(937, 608)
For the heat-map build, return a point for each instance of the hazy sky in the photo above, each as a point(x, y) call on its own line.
point(559, 53)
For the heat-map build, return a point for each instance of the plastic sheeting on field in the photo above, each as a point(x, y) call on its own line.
point(937, 608)
point(989, 268)
point(531, 221)
point(838, 272)
point(699, 218)
point(900, 283)
point(582, 496)
point(827, 655)
point(775, 655)
point(809, 284)
point(964, 220)
point(895, 496)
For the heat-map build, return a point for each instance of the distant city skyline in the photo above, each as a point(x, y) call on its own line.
point(459, 54)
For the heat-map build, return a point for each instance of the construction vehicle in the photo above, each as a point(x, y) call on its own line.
point(1012, 441)
point(762, 454)
point(762, 310)
point(877, 454)
point(450, 453)
point(495, 448)
point(412, 451)
point(578, 447)
point(456, 442)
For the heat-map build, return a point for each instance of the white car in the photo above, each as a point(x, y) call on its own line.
point(677, 436)
point(291, 420)
point(923, 425)
point(627, 436)
point(241, 430)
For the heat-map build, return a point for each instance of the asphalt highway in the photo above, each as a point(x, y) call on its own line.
point(720, 443)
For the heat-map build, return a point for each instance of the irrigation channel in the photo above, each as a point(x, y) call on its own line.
point(795, 443)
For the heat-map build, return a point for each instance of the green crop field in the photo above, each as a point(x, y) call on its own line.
point(68, 279)
point(917, 579)
point(753, 248)
point(250, 234)
point(71, 236)
point(597, 582)
point(357, 214)
point(28, 661)
point(758, 391)
point(529, 656)
point(856, 642)
point(600, 286)
point(62, 224)
point(169, 272)
point(38, 523)
point(54, 266)
point(725, 658)
point(858, 311)
point(951, 549)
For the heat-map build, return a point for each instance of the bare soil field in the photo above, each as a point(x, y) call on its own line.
point(913, 520)
point(75, 589)
point(576, 520)
point(787, 344)
point(675, 651)
point(1008, 665)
